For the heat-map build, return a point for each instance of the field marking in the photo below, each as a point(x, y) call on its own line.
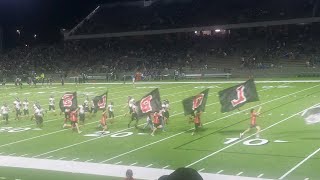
point(243, 139)
point(219, 171)
point(61, 158)
point(24, 155)
point(239, 173)
point(260, 176)
point(149, 165)
point(118, 162)
point(306, 179)
point(89, 160)
point(201, 170)
point(48, 157)
point(74, 159)
point(54, 132)
point(1, 153)
point(147, 145)
point(11, 154)
point(165, 166)
point(133, 164)
point(299, 164)
point(110, 170)
point(3, 178)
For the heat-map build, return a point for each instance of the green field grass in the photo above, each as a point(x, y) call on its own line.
point(206, 151)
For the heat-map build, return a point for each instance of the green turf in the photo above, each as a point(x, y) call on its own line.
point(280, 100)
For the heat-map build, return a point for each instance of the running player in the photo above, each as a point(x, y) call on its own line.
point(82, 114)
point(197, 121)
point(156, 122)
point(129, 104)
point(66, 117)
point(26, 107)
point(5, 112)
point(103, 121)
point(134, 115)
point(110, 112)
point(38, 114)
point(165, 108)
point(74, 120)
point(17, 105)
point(51, 104)
point(86, 105)
point(149, 122)
point(253, 123)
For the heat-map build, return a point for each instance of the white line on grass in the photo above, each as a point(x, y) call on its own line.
point(3, 178)
point(149, 165)
point(24, 155)
point(1, 153)
point(166, 167)
point(61, 158)
point(147, 145)
point(48, 157)
point(35, 137)
point(74, 159)
point(201, 170)
point(239, 173)
point(306, 179)
point(12, 154)
point(260, 175)
point(300, 163)
point(243, 139)
point(89, 160)
point(118, 162)
point(133, 164)
point(219, 171)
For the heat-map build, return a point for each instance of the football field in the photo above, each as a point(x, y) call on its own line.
point(287, 147)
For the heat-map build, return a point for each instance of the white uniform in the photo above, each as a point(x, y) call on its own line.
point(4, 110)
point(17, 105)
point(51, 104)
point(25, 105)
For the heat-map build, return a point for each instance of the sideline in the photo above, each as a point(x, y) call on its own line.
point(101, 169)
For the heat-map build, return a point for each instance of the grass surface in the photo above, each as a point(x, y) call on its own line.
point(175, 147)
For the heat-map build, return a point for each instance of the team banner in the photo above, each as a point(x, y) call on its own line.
point(236, 96)
point(197, 102)
point(69, 101)
point(312, 115)
point(101, 101)
point(149, 103)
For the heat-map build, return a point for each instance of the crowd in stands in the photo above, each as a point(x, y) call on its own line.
point(157, 54)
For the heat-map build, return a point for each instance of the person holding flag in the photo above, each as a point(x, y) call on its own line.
point(157, 124)
point(196, 117)
point(149, 122)
point(74, 121)
point(103, 121)
point(253, 123)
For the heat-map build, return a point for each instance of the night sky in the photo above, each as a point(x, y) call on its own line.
point(43, 17)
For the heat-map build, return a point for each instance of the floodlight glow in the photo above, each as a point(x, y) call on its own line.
point(217, 30)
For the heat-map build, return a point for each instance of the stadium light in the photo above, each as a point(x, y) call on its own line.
point(35, 36)
point(18, 31)
point(217, 30)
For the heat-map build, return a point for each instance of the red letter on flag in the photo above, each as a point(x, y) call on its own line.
point(240, 95)
point(145, 104)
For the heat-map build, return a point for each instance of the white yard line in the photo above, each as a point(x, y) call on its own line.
point(147, 145)
point(12, 154)
point(243, 139)
point(89, 160)
point(149, 165)
point(201, 170)
point(133, 164)
point(165, 166)
point(219, 171)
point(260, 175)
point(118, 162)
point(47, 134)
point(24, 155)
point(48, 157)
point(299, 164)
point(74, 159)
point(239, 173)
point(61, 158)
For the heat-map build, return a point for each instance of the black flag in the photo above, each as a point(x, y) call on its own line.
point(100, 102)
point(192, 103)
point(149, 103)
point(236, 96)
point(68, 101)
